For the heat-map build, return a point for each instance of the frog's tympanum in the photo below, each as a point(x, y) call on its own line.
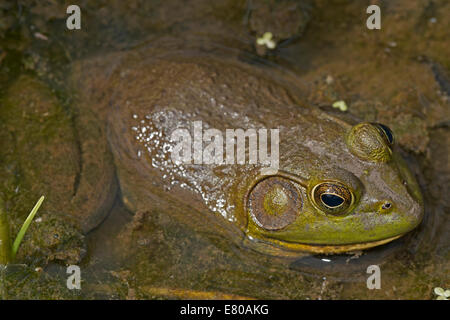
point(339, 187)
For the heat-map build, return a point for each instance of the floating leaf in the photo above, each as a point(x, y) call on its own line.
point(267, 35)
point(341, 105)
point(266, 39)
point(439, 291)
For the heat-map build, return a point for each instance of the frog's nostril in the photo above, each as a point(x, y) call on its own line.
point(386, 206)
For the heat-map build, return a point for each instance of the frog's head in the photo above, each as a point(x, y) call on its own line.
point(345, 189)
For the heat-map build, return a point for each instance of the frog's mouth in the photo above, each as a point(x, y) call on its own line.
point(277, 247)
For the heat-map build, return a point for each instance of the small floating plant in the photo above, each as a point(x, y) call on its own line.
point(341, 105)
point(8, 252)
point(441, 293)
point(266, 40)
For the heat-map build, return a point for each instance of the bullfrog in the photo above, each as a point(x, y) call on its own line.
point(337, 186)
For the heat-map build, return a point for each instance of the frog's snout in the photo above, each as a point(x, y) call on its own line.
point(413, 213)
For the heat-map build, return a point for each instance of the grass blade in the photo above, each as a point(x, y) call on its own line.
point(25, 226)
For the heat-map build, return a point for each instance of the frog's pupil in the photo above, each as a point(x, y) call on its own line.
point(331, 200)
point(388, 133)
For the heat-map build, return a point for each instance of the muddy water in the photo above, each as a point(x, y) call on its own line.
point(398, 75)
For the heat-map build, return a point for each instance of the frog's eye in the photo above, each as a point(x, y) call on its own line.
point(274, 203)
point(386, 133)
point(332, 197)
point(371, 142)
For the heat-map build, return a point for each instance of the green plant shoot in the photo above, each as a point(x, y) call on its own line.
point(24, 228)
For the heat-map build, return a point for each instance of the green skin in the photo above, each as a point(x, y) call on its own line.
point(147, 89)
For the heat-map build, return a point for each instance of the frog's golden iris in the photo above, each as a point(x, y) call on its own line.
point(332, 197)
point(386, 132)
